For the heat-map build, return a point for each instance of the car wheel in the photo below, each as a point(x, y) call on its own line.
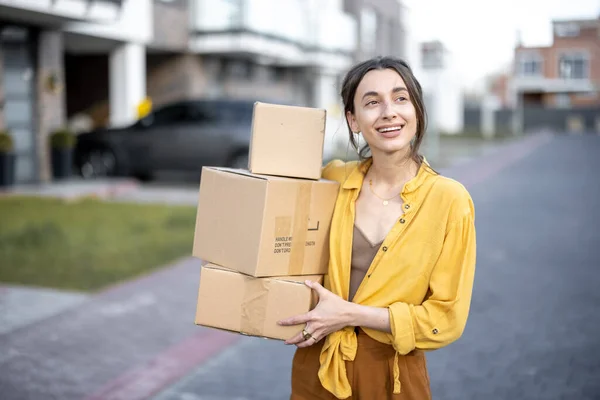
point(98, 163)
point(239, 161)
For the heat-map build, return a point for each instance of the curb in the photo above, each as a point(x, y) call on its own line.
point(112, 190)
point(166, 368)
point(104, 191)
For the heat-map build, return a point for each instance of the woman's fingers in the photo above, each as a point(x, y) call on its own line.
point(296, 320)
point(301, 340)
point(297, 338)
point(306, 343)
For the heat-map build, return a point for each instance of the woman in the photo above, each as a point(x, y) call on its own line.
point(402, 253)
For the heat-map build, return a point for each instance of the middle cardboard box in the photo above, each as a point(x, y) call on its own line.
point(264, 226)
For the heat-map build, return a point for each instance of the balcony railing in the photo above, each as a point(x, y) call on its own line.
point(553, 85)
point(294, 27)
point(60, 11)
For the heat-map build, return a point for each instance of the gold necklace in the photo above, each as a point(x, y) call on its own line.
point(385, 201)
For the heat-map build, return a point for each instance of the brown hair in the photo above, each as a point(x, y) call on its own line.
point(355, 76)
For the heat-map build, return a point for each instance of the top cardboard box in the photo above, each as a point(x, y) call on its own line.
point(287, 141)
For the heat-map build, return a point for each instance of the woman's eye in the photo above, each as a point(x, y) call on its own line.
point(401, 99)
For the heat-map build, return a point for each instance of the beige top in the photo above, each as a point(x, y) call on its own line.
point(363, 253)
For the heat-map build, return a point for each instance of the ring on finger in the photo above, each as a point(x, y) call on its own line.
point(306, 335)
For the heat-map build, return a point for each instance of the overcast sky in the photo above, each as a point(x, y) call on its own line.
point(481, 33)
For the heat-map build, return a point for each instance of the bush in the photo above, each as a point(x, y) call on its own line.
point(6, 142)
point(62, 139)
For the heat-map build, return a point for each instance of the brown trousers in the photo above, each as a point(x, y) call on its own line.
point(370, 375)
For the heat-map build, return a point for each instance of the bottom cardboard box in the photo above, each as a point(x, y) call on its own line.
point(252, 306)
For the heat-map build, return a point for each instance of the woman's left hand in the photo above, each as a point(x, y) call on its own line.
point(331, 314)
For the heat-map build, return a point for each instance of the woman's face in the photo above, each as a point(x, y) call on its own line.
point(384, 112)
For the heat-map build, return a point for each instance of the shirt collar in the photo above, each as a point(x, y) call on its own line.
point(357, 176)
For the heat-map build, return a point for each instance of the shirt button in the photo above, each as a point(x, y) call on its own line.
point(407, 206)
point(435, 331)
point(384, 248)
point(402, 220)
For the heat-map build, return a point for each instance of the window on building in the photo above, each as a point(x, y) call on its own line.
point(562, 100)
point(395, 37)
point(433, 55)
point(222, 71)
point(368, 30)
point(530, 64)
point(573, 66)
point(431, 58)
point(240, 69)
point(277, 73)
point(233, 10)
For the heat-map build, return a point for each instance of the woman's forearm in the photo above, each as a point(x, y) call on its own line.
point(377, 318)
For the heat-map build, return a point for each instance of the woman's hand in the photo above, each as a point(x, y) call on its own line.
point(331, 314)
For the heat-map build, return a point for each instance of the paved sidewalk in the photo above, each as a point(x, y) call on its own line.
point(78, 352)
point(162, 194)
point(21, 306)
point(75, 188)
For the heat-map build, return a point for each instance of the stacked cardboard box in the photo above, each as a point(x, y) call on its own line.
point(265, 230)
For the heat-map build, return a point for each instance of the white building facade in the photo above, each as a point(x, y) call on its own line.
point(105, 57)
point(32, 74)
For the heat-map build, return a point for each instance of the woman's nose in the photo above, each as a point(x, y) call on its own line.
point(388, 111)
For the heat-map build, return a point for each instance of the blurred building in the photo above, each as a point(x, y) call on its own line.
point(92, 63)
point(381, 30)
point(554, 88)
point(442, 87)
point(565, 74)
point(32, 73)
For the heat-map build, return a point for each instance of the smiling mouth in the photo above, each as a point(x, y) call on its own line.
point(390, 129)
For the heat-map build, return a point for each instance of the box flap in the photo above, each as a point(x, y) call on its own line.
point(263, 177)
point(299, 279)
point(236, 171)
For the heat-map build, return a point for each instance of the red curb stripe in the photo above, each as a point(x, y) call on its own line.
point(166, 368)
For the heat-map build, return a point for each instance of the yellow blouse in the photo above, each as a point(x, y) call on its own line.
point(423, 272)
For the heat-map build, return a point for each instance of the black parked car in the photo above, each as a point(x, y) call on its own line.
point(182, 136)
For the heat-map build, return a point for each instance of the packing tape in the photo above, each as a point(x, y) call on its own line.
point(300, 228)
point(254, 306)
